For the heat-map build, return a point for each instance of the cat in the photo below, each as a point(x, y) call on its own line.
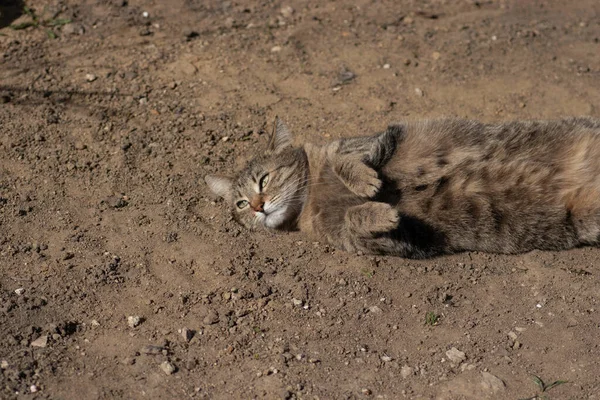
point(426, 188)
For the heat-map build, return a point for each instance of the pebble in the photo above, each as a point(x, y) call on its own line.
point(95, 323)
point(386, 66)
point(512, 335)
point(33, 388)
point(145, 14)
point(211, 318)
point(375, 310)
point(366, 391)
point(287, 11)
point(492, 382)
point(419, 92)
point(3, 364)
point(187, 334)
point(19, 291)
point(386, 358)
point(168, 367)
point(152, 350)
point(275, 49)
point(42, 341)
point(455, 356)
point(436, 55)
point(90, 77)
point(297, 302)
point(406, 371)
point(134, 321)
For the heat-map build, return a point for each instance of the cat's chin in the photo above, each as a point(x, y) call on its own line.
point(277, 219)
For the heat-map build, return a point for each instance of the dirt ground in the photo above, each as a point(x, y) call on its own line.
point(122, 277)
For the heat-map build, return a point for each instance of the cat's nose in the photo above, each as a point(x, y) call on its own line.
point(257, 205)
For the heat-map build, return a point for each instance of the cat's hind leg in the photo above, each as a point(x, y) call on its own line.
point(370, 218)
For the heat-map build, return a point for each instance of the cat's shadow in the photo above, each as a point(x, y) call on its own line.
point(426, 239)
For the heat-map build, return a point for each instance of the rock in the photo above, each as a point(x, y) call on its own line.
point(19, 291)
point(184, 67)
point(492, 382)
point(386, 358)
point(134, 320)
point(436, 55)
point(3, 364)
point(95, 323)
point(366, 392)
point(375, 310)
point(406, 371)
point(211, 318)
point(152, 350)
point(455, 356)
point(33, 388)
point(386, 66)
point(419, 92)
point(344, 77)
point(187, 334)
point(297, 302)
point(42, 341)
point(116, 202)
point(90, 77)
point(128, 361)
point(287, 11)
point(73, 29)
point(168, 368)
point(512, 335)
point(275, 49)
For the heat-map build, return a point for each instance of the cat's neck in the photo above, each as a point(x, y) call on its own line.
point(315, 156)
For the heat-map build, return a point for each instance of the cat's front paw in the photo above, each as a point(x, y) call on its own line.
point(384, 217)
point(365, 182)
point(372, 217)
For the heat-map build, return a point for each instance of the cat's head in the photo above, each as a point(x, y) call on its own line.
point(270, 191)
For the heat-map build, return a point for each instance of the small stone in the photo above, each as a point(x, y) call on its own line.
point(522, 105)
point(516, 345)
point(407, 20)
point(386, 358)
point(3, 364)
point(386, 66)
point(275, 49)
point(133, 321)
point(211, 318)
point(168, 368)
point(19, 291)
point(366, 392)
point(90, 77)
point(152, 350)
point(436, 55)
point(407, 294)
point(407, 61)
point(375, 310)
point(33, 388)
point(287, 11)
point(512, 335)
point(42, 341)
point(492, 382)
point(95, 323)
point(297, 302)
point(128, 361)
point(406, 371)
point(187, 334)
point(145, 14)
point(418, 92)
point(455, 356)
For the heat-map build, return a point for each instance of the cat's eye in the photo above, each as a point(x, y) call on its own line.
point(264, 181)
point(242, 204)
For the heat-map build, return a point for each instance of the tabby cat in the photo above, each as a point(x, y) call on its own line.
point(426, 188)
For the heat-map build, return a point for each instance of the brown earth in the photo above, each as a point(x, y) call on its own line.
point(106, 133)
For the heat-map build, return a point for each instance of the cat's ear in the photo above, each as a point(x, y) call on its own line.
point(219, 185)
point(281, 138)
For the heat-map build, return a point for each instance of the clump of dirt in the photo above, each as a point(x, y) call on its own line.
point(123, 277)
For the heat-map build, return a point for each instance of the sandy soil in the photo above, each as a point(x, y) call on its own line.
point(106, 133)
